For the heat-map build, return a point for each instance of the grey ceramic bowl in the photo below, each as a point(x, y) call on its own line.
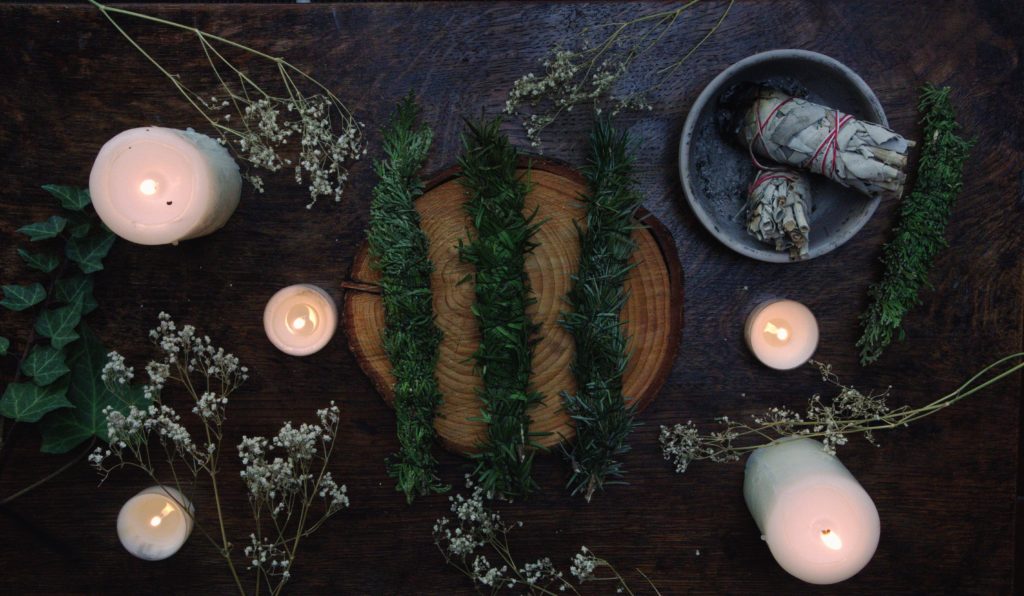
point(715, 171)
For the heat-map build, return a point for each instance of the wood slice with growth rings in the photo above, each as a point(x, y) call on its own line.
point(653, 314)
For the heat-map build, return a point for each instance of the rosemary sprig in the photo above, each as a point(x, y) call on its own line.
point(920, 233)
point(498, 249)
point(603, 421)
point(411, 337)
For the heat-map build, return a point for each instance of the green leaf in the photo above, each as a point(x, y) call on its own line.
point(76, 289)
point(65, 429)
point(27, 402)
point(59, 324)
point(44, 229)
point(45, 364)
point(79, 225)
point(41, 261)
point(89, 252)
point(70, 197)
point(4, 345)
point(22, 297)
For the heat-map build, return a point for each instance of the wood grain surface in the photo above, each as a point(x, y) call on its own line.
point(653, 315)
point(945, 488)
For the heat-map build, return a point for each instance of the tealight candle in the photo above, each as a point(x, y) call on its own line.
point(157, 185)
point(782, 334)
point(152, 524)
point(300, 319)
point(819, 523)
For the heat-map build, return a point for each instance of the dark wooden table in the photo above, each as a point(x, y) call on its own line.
point(945, 488)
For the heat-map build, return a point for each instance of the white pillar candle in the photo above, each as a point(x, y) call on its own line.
point(782, 334)
point(300, 319)
point(157, 185)
point(152, 524)
point(819, 523)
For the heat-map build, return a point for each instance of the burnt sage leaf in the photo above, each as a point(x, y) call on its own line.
point(45, 261)
point(76, 289)
point(59, 324)
point(64, 430)
point(28, 402)
point(71, 198)
point(44, 230)
point(5, 344)
point(45, 364)
point(89, 252)
point(22, 297)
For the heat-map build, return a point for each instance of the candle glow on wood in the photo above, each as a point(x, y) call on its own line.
point(819, 523)
point(152, 524)
point(782, 334)
point(156, 185)
point(300, 319)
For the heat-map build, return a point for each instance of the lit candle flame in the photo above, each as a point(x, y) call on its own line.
point(148, 187)
point(299, 323)
point(831, 539)
point(159, 519)
point(302, 319)
point(780, 332)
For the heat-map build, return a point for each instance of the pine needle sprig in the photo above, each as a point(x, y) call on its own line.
point(497, 247)
point(411, 337)
point(603, 420)
point(920, 233)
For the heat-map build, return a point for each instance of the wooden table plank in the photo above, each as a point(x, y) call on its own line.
point(945, 488)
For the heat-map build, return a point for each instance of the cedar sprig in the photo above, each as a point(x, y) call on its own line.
point(603, 420)
point(497, 247)
point(411, 337)
point(920, 233)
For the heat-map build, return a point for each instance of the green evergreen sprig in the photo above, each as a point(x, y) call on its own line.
point(920, 233)
point(603, 420)
point(411, 337)
point(497, 247)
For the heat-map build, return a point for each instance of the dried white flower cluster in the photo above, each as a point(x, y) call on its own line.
point(474, 531)
point(286, 476)
point(849, 412)
point(596, 74)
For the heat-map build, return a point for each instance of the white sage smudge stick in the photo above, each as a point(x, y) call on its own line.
point(779, 210)
point(867, 157)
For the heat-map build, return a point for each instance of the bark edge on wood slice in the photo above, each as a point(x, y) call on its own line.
point(653, 314)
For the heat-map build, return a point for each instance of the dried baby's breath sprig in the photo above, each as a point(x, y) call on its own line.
point(257, 121)
point(290, 491)
point(609, 55)
point(833, 421)
point(475, 540)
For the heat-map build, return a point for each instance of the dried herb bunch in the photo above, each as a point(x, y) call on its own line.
point(256, 121)
point(592, 73)
point(290, 490)
point(55, 379)
point(476, 531)
point(920, 233)
point(411, 337)
point(603, 420)
point(833, 421)
point(497, 247)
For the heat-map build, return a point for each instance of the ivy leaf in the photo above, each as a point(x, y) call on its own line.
point(65, 429)
point(70, 197)
point(22, 297)
point(76, 289)
point(45, 364)
point(89, 252)
point(79, 225)
point(40, 261)
point(27, 402)
point(4, 345)
point(59, 324)
point(44, 229)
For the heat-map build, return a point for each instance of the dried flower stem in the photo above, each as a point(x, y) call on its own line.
point(267, 120)
point(849, 413)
